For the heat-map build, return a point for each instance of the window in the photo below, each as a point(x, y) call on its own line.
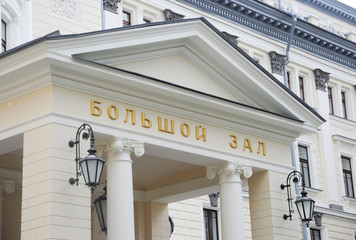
point(315, 234)
point(301, 88)
point(347, 174)
point(343, 103)
point(3, 36)
point(211, 224)
point(304, 164)
point(331, 104)
point(288, 79)
point(126, 19)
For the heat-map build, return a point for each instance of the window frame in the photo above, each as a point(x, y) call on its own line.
point(288, 80)
point(331, 101)
point(301, 87)
point(216, 223)
point(3, 38)
point(344, 104)
point(344, 171)
point(305, 162)
point(312, 235)
point(125, 22)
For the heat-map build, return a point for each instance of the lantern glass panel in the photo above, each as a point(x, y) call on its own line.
point(305, 208)
point(100, 170)
point(92, 167)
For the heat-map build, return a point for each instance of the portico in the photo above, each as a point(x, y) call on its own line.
point(176, 117)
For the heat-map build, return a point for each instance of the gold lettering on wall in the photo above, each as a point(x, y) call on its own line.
point(185, 130)
point(95, 110)
point(166, 125)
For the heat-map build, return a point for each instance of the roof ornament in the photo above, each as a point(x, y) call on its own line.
point(231, 37)
point(169, 15)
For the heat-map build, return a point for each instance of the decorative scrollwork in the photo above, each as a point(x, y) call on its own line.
point(7, 185)
point(124, 144)
point(228, 168)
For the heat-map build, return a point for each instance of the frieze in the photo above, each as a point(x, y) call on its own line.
point(168, 126)
point(64, 8)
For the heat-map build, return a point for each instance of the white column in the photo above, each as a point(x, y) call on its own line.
point(231, 201)
point(120, 203)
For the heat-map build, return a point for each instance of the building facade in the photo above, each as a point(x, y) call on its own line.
point(187, 98)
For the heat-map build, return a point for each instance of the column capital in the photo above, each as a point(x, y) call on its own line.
point(321, 79)
point(7, 185)
point(277, 62)
point(123, 144)
point(228, 168)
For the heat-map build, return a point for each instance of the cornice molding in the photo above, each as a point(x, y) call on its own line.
point(333, 8)
point(276, 24)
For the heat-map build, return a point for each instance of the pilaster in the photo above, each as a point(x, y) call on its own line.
point(268, 203)
point(51, 207)
point(326, 144)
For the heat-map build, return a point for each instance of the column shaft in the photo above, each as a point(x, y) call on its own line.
point(231, 204)
point(120, 197)
point(120, 202)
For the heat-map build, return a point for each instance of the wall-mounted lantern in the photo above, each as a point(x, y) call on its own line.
point(91, 167)
point(305, 205)
point(101, 209)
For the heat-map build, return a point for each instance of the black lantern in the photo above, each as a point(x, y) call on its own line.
point(305, 205)
point(101, 209)
point(91, 166)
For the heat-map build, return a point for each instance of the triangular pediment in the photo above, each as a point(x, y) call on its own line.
point(178, 69)
point(183, 67)
point(193, 54)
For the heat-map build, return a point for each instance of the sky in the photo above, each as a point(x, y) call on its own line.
point(351, 3)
